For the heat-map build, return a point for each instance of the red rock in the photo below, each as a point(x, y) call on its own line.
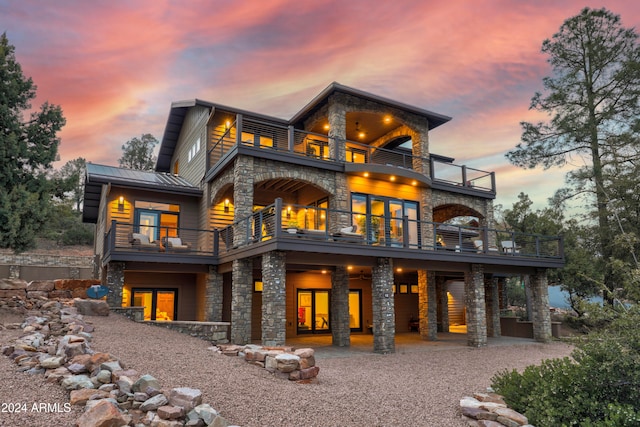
point(170, 412)
point(61, 294)
point(12, 284)
point(71, 284)
point(103, 414)
point(11, 293)
point(41, 285)
point(80, 397)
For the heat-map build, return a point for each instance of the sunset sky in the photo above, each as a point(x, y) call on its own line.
point(115, 66)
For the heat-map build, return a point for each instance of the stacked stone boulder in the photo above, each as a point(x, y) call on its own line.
point(57, 344)
point(19, 294)
point(284, 362)
point(490, 410)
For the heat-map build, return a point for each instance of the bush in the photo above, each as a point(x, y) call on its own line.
point(599, 387)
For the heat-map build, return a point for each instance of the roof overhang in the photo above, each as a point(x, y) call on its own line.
point(434, 119)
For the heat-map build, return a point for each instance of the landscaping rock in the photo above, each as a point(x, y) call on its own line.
point(102, 414)
point(80, 397)
point(76, 382)
point(287, 362)
point(144, 382)
point(185, 397)
point(92, 307)
point(154, 403)
point(168, 412)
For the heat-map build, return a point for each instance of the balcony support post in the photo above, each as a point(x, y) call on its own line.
point(238, 129)
point(427, 305)
point(340, 330)
point(541, 315)
point(475, 304)
point(290, 138)
point(384, 321)
point(241, 300)
point(274, 301)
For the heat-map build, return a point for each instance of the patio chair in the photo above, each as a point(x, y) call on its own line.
point(175, 244)
point(479, 245)
point(509, 247)
point(141, 241)
point(349, 234)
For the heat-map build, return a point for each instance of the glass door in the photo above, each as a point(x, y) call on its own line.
point(395, 236)
point(147, 223)
point(313, 311)
point(159, 304)
point(355, 310)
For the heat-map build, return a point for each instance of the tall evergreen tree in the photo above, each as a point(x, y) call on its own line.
point(27, 150)
point(137, 153)
point(592, 100)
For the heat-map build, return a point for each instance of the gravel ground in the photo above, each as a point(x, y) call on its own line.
point(419, 385)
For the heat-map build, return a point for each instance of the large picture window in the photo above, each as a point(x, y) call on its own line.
point(382, 220)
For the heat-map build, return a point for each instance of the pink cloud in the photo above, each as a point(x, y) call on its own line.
point(116, 67)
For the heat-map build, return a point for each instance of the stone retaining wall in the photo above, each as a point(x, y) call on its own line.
point(15, 292)
point(134, 313)
point(215, 332)
point(37, 266)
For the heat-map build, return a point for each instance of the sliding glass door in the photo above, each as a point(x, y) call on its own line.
point(383, 218)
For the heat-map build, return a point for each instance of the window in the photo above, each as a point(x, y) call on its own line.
point(195, 148)
point(313, 311)
point(159, 304)
point(383, 219)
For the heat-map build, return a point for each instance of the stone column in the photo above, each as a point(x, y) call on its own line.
point(243, 175)
point(337, 117)
point(213, 295)
point(274, 298)
point(340, 330)
point(541, 315)
point(241, 297)
point(492, 301)
point(115, 283)
point(384, 322)
point(443, 304)
point(427, 305)
point(474, 302)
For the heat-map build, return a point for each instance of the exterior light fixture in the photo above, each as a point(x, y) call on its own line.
point(393, 178)
point(326, 126)
point(414, 182)
point(387, 119)
point(288, 211)
point(226, 205)
point(227, 124)
point(121, 203)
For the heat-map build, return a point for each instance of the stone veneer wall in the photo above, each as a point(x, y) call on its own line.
point(340, 331)
point(215, 332)
point(69, 266)
point(133, 312)
point(274, 298)
point(14, 290)
point(383, 307)
point(475, 304)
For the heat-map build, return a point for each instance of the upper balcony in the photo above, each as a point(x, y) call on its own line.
point(288, 144)
point(309, 229)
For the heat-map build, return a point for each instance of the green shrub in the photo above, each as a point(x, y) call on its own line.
point(599, 387)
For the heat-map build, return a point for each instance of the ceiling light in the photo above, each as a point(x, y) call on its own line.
point(393, 178)
point(366, 174)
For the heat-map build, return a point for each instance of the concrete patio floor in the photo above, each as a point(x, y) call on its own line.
point(407, 342)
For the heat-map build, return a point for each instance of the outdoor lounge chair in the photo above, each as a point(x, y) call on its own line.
point(479, 244)
point(175, 244)
point(509, 247)
point(349, 234)
point(141, 241)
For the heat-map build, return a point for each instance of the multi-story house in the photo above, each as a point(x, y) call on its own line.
point(338, 221)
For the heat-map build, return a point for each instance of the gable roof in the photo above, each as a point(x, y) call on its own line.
point(99, 175)
point(179, 110)
point(434, 119)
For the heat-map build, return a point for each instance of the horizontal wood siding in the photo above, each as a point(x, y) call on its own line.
point(194, 127)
